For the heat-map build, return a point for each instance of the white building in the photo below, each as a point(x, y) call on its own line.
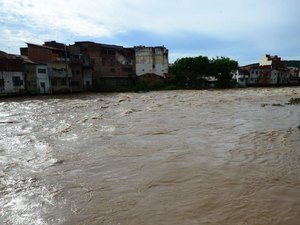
point(151, 60)
point(254, 75)
point(11, 82)
point(11, 74)
point(241, 77)
point(42, 79)
point(266, 60)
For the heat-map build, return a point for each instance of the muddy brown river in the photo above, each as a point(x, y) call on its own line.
point(158, 158)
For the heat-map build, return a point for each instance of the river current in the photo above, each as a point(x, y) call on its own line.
point(159, 158)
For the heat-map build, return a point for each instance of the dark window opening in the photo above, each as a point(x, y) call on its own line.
point(127, 69)
point(1, 82)
point(75, 83)
point(41, 70)
point(17, 81)
point(64, 82)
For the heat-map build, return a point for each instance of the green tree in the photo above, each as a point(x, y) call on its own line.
point(222, 68)
point(189, 70)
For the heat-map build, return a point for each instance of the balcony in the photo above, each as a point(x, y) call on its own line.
point(59, 59)
point(59, 73)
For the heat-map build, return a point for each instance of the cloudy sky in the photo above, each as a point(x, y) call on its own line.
point(240, 29)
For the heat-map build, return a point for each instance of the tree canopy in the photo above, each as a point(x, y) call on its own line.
point(193, 71)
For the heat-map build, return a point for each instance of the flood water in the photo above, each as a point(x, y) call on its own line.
point(170, 157)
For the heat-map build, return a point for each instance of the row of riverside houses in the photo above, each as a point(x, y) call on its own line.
point(84, 66)
point(270, 71)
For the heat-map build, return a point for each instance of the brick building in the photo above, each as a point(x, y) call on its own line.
point(111, 65)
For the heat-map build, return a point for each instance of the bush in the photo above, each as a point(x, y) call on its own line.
point(171, 87)
point(141, 85)
point(156, 85)
point(294, 101)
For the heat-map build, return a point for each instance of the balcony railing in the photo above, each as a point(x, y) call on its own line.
point(59, 73)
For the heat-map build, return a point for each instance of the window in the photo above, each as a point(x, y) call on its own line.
point(43, 85)
point(63, 82)
point(87, 83)
point(126, 70)
point(112, 70)
point(112, 62)
point(17, 81)
point(2, 82)
point(41, 70)
point(104, 52)
point(75, 83)
point(111, 52)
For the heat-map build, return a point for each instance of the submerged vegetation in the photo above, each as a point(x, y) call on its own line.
point(277, 104)
point(294, 101)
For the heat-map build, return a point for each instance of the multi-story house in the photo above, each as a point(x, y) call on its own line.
point(55, 56)
point(242, 75)
point(270, 71)
point(36, 77)
point(11, 74)
point(111, 65)
point(274, 70)
point(81, 70)
point(151, 61)
point(77, 81)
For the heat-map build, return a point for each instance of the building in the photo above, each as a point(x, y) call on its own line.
point(11, 74)
point(242, 75)
point(36, 77)
point(274, 70)
point(112, 66)
point(55, 56)
point(77, 81)
point(263, 76)
point(270, 71)
point(151, 61)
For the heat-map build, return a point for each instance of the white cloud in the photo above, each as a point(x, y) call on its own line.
point(100, 18)
point(261, 23)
